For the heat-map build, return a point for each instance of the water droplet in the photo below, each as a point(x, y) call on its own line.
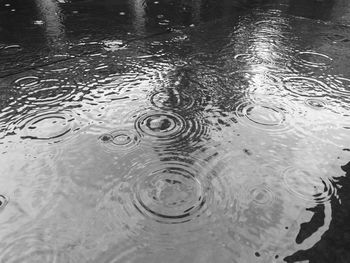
point(308, 186)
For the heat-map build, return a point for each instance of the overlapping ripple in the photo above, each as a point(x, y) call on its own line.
point(171, 99)
point(305, 86)
point(119, 140)
point(173, 200)
point(31, 249)
point(52, 127)
point(272, 115)
point(307, 186)
point(178, 190)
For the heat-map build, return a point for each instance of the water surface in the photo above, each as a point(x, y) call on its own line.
point(166, 131)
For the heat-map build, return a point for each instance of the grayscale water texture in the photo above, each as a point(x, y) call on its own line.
point(173, 131)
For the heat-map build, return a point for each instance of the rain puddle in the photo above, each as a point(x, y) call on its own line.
point(174, 131)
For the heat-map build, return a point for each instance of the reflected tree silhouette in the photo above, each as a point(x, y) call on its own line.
point(334, 244)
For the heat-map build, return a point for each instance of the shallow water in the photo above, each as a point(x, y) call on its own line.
point(174, 131)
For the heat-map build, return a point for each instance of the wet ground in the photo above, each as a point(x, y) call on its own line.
point(174, 131)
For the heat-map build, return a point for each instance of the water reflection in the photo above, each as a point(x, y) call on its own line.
point(173, 131)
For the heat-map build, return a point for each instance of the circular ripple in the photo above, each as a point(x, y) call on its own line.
point(119, 140)
point(53, 127)
point(178, 190)
point(307, 186)
point(316, 103)
point(29, 249)
point(305, 86)
point(263, 116)
point(50, 92)
point(171, 99)
point(171, 195)
point(12, 49)
point(27, 81)
point(170, 128)
point(3, 201)
point(314, 59)
point(261, 195)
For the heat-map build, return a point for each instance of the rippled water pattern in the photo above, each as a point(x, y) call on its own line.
point(159, 138)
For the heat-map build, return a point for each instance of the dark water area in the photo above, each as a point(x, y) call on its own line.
point(174, 131)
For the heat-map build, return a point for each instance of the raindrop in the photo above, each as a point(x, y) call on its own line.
point(314, 59)
point(119, 140)
point(308, 186)
point(305, 86)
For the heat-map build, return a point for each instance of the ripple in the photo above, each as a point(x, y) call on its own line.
point(265, 116)
point(315, 103)
point(52, 127)
point(50, 92)
point(119, 140)
point(3, 201)
point(305, 86)
point(261, 195)
point(170, 129)
point(314, 59)
point(29, 249)
point(170, 195)
point(27, 81)
point(341, 86)
point(308, 186)
point(12, 49)
point(171, 99)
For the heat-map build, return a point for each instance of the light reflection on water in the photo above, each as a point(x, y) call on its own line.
point(210, 143)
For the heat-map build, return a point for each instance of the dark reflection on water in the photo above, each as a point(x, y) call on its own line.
point(174, 131)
